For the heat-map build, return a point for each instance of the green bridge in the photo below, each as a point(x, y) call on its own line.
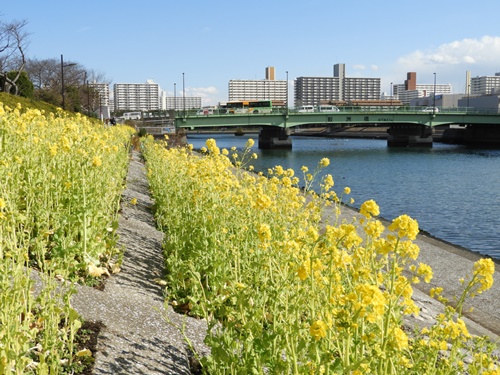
point(407, 127)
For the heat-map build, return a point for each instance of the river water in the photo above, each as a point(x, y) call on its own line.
point(452, 191)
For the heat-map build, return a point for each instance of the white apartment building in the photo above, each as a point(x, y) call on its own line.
point(101, 91)
point(98, 99)
point(312, 90)
point(264, 89)
point(485, 85)
point(179, 103)
point(240, 89)
point(137, 96)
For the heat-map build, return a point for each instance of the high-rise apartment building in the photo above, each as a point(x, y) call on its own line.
point(137, 96)
point(101, 91)
point(98, 99)
point(264, 89)
point(312, 90)
point(484, 85)
point(180, 103)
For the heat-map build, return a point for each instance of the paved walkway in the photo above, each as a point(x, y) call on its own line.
point(137, 339)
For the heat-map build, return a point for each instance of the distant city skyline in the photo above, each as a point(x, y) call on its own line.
point(210, 43)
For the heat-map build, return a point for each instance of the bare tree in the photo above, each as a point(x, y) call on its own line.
point(13, 44)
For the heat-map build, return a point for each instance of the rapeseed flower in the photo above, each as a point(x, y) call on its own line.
point(264, 232)
point(405, 226)
point(318, 329)
point(483, 272)
point(369, 209)
point(96, 161)
point(325, 162)
point(425, 271)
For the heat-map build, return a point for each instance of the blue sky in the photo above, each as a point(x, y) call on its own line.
point(212, 42)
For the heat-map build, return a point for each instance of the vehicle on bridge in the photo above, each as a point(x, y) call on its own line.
point(306, 108)
point(132, 115)
point(206, 111)
point(328, 108)
point(430, 109)
point(247, 106)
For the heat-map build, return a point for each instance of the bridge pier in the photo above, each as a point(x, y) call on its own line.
point(482, 134)
point(271, 137)
point(409, 135)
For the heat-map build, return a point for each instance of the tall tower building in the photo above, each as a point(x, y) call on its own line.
point(411, 81)
point(339, 72)
point(270, 73)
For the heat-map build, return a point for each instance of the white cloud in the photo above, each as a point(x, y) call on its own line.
point(209, 95)
point(466, 51)
point(359, 67)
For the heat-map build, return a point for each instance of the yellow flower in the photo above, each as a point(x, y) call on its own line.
point(483, 272)
point(53, 150)
point(249, 143)
point(318, 329)
point(374, 228)
point(405, 226)
point(133, 201)
point(369, 208)
point(400, 339)
point(262, 202)
point(264, 232)
point(325, 162)
point(303, 272)
point(96, 162)
point(425, 271)
point(347, 190)
point(2, 203)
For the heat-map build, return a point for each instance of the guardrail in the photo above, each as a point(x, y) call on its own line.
point(346, 109)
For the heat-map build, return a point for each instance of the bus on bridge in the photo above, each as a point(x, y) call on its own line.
point(247, 106)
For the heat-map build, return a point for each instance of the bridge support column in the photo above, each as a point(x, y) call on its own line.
point(482, 134)
point(274, 137)
point(409, 135)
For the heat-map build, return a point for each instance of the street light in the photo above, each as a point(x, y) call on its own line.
point(391, 94)
point(62, 80)
point(286, 108)
point(434, 98)
point(183, 96)
point(175, 99)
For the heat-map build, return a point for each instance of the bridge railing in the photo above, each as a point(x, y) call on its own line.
point(346, 109)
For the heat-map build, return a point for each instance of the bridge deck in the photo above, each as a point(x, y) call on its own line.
point(284, 119)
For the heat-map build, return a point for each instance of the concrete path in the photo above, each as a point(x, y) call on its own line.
point(137, 339)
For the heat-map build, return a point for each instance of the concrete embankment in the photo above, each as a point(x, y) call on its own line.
point(450, 263)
